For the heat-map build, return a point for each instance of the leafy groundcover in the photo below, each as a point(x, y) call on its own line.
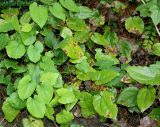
point(65, 60)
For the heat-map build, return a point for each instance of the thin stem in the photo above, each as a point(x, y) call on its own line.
point(157, 30)
point(143, 1)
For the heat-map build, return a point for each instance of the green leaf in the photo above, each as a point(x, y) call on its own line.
point(84, 12)
point(26, 27)
point(15, 49)
point(36, 122)
point(156, 49)
point(26, 122)
point(15, 23)
point(97, 20)
point(57, 11)
point(144, 75)
point(25, 18)
point(104, 105)
point(49, 112)
point(82, 36)
point(70, 5)
point(105, 61)
point(16, 102)
point(34, 51)
point(28, 38)
point(119, 6)
point(86, 105)
point(64, 117)
point(10, 113)
point(155, 14)
point(26, 87)
point(36, 107)
point(4, 39)
point(146, 97)
point(48, 2)
point(9, 12)
point(45, 93)
point(84, 67)
point(66, 96)
point(71, 48)
point(60, 57)
point(86, 72)
point(144, 8)
point(66, 32)
point(134, 25)
point(125, 50)
point(111, 36)
point(5, 26)
point(50, 39)
point(39, 16)
point(104, 76)
point(155, 114)
point(32, 122)
point(49, 78)
point(128, 97)
point(99, 39)
point(76, 24)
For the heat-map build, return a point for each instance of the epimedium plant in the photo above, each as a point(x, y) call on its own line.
point(34, 45)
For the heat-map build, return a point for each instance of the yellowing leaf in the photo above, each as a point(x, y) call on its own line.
point(66, 32)
point(9, 112)
point(71, 48)
point(134, 25)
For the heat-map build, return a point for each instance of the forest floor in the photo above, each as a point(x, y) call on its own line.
point(139, 57)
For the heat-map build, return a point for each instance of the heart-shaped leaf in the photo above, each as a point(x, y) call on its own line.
point(57, 10)
point(4, 39)
point(34, 52)
point(9, 112)
point(15, 49)
point(104, 105)
point(70, 5)
point(39, 14)
point(134, 25)
point(146, 97)
point(128, 97)
point(26, 87)
point(36, 107)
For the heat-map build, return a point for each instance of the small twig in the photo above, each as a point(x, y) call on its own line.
point(2, 120)
point(157, 29)
point(143, 1)
point(152, 20)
